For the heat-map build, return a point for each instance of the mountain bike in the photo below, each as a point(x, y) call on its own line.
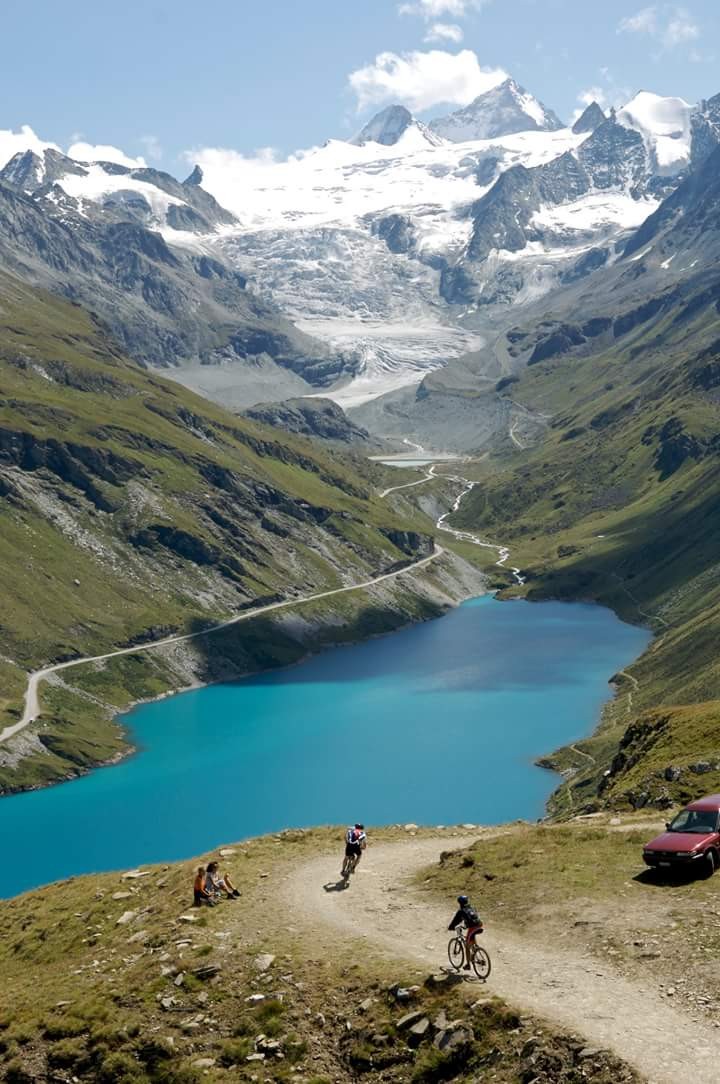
point(459, 954)
point(349, 866)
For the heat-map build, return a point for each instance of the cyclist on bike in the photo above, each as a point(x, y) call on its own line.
point(355, 842)
point(467, 916)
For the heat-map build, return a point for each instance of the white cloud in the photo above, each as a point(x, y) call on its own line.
point(420, 80)
point(11, 143)
point(102, 152)
point(607, 95)
point(644, 22)
point(152, 146)
point(444, 32)
point(27, 140)
point(435, 9)
point(681, 28)
point(593, 94)
point(670, 26)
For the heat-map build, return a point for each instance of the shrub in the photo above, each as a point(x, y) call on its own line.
point(433, 1065)
point(295, 1051)
point(234, 1051)
point(66, 1053)
point(64, 1027)
point(16, 1074)
point(152, 1052)
point(120, 1068)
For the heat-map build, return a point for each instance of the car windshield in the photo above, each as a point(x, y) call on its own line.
point(695, 820)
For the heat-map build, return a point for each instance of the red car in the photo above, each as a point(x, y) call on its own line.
point(692, 839)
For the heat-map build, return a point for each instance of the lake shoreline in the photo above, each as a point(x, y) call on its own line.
point(112, 713)
point(565, 654)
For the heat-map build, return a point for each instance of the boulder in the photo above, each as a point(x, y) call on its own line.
point(701, 767)
point(206, 971)
point(454, 1039)
point(126, 917)
point(204, 1063)
point(269, 1047)
point(419, 1031)
point(264, 961)
point(672, 774)
point(409, 1020)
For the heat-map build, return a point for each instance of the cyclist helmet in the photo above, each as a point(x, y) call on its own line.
point(360, 826)
point(462, 900)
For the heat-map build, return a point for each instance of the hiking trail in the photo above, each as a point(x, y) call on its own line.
point(391, 915)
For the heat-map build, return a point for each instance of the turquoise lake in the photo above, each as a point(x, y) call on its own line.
point(438, 724)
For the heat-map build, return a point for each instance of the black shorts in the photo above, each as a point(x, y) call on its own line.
point(352, 850)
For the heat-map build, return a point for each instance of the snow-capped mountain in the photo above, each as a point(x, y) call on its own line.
point(146, 195)
point(388, 126)
point(665, 125)
point(504, 110)
point(396, 249)
point(398, 252)
point(590, 119)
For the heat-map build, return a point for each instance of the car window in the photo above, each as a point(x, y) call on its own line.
point(695, 820)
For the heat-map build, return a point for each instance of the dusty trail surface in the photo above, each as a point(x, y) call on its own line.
point(577, 992)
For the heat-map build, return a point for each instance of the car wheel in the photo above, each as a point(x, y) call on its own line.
point(710, 863)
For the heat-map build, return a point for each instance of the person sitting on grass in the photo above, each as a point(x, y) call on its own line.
point(215, 883)
point(200, 893)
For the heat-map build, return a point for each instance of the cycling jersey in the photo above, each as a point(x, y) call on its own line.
point(468, 916)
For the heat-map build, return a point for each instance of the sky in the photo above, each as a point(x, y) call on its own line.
point(163, 79)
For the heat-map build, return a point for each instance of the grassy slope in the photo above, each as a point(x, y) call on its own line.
point(582, 887)
point(607, 508)
point(129, 508)
point(85, 996)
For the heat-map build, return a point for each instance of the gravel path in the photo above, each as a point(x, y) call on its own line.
point(574, 992)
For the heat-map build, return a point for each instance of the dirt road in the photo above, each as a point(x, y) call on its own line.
point(571, 991)
point(31, 709)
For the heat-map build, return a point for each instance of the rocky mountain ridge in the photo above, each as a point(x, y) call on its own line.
point(502, 111)
point(394, 252)
point(128, 244)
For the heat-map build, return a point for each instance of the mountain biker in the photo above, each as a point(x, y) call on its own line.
point(355, 842)
point(467, 915)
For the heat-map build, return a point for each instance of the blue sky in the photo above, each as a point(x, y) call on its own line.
point(159, 78)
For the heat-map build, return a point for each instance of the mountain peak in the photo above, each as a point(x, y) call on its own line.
point(665, 125)
point(196, 177)
point(389, 126)
point(504, 110)
point(385, 127)
point(590, 119)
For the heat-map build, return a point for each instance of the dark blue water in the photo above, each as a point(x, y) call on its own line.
point(437, 724)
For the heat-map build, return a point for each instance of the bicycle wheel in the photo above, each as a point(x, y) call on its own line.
point(456, 952)
point(346, 869)
point(480, 962)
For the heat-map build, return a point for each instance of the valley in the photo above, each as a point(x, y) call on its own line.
point(378, 478)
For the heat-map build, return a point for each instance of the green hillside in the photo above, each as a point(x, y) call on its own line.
point(132, 509)
point(620, 503)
